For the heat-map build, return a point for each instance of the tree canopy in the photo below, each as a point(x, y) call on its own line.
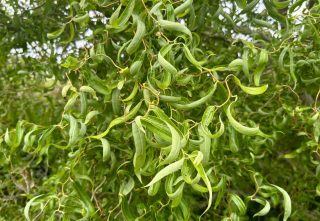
point(159, 110)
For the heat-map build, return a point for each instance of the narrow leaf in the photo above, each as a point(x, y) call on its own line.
point(171, 168)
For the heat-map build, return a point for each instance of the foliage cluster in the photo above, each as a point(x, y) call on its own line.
point(173, 110)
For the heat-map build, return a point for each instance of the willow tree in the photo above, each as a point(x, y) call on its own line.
point(168, 110)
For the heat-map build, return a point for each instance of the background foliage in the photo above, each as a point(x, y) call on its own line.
point(159, 110)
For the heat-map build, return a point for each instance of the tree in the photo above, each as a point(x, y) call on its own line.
point(159, 110)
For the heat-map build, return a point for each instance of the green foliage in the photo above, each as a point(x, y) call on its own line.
point(174, 110)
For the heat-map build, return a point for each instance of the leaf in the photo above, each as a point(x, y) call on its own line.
point(176, 145)
point(157, 127)
point(71, 34)
point(126, 187)
point(170, 12)
point(140, 148)
point(241, 3)
point(71, 63)
point(121, 21)
point(177, 196)
point(135, 67)
point(205, 146)
point(170, 183)
point(90, 115)
point(262, 23)
point(115, 15)
point(96, 83)
point(220, 193)
point(187, 173)
point(249, 6)
point(106, 149)
point(265, 210)
point(29, 140)
point(245, 63)
point(65, 89)
point(292, 68)
point(164, 63)
point(263, 60)
point(236, 65)
point(190, 57)
point(219, 185)
point(286, 202)
point(98, 54)
point(272, 11)
point(28, 205)
point(119, 120)
point(250, 131)
point(116, 101)
point(239, 127)
point(281, 4)
point(126, 209)
point(133, 92)
point(216, 135)
point(73, 130)
point(251, 90)
point(171, 168)
point(56, 33)
point(175, 26)
point(238, 203)
point(71, 102)
point(318, 189)
point(45, 136)
point(205, 179)
point(281, 57)
point(83, 103)
point(7, 138)
point(295, 5)
point(81, 18)
point(154, 188)
point(233, 140)
point(89, 90)
point(208, 115)
point(140, 32)
point(206, 120)
point(84, 197)
point(163, 117)
point(156, 10)
point(184, 6)
point(198, 102)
